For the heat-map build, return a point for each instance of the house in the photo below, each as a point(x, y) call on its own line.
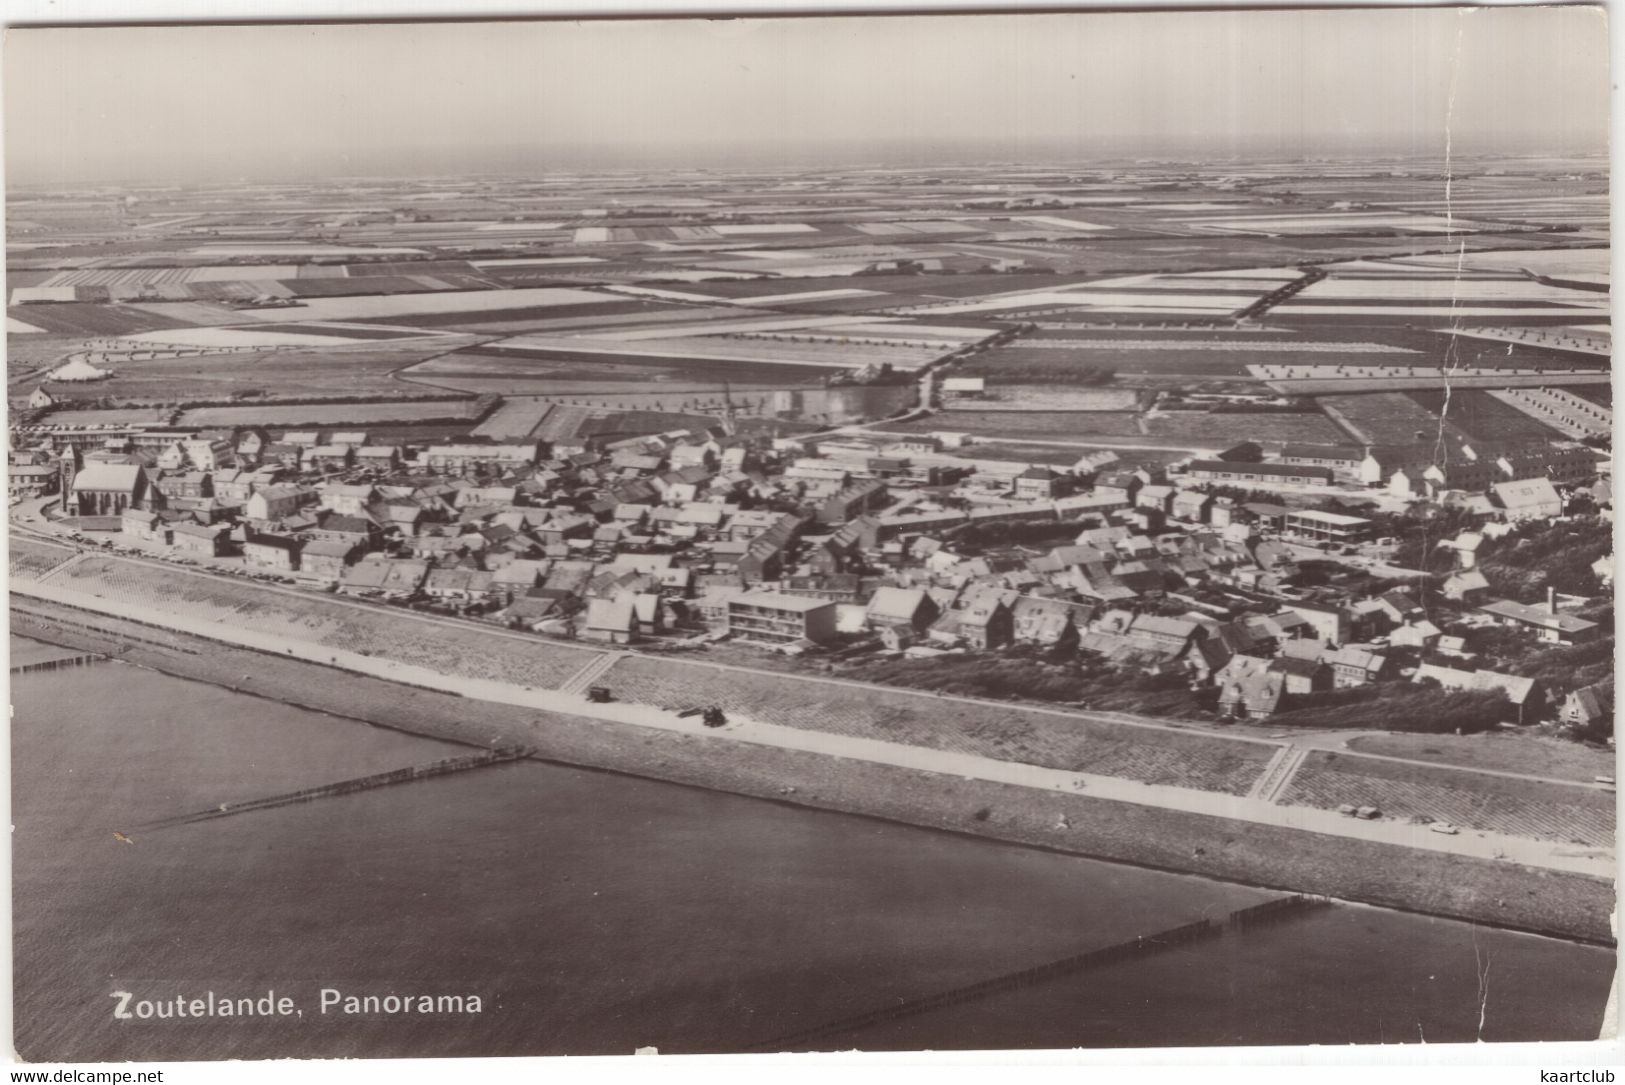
point(31, 480)
point(519, 576)
point(326, 457)
point(1301, 676)
point(765, 554)
point(853, 501)
point(1155, 498)
point(1330, 623)
point(279, 552)
point(352, 500)
point(1191, 506)
point(907, 606)
point(1421, 634)
point(1467, 586)
point(1243, 452)
point(461, 583)
point(1049, 623)
point(1587, 706)
point(1523, 695)
point(107, 489)
point(141, 524)
point(1343, 459)
point(1528, 499)
point(270, 503)
point(470, 459)
point(1037, 483)
point(1253, 696)
point(1353, 666)
point(780, 619)
point(397, 578)
point(40, 398)
point(326, 559)
point(381, 458)
point(1547, 622)
point(1279, 473)
point(1168, 637)
point(202, 540)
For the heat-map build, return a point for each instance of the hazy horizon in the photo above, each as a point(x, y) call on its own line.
point(277, 103)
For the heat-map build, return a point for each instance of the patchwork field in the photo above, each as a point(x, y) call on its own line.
point(355, 369)
point(1075, 425)
point(1220, 428)
point(1384, 418)
point(1575, 815)
point(1006, 732)
point(88, 319)
point(1481, 415)
point(336, 414)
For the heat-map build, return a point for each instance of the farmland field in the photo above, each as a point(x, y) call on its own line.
point(607, 307)
point(1075, 425)
point(1384, 418)
point(110, 416)
point(1495, 804)
point(1481, 415)
point(334, 414)
point(349, 331)
point(1226, 427)
point(1040, 397)
point(83, 318)
point(497, 363)
point(1002, 731)
point(347, 370)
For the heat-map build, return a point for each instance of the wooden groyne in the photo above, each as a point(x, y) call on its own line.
point(347, 787)
point(58, 664)
point(1271, 911)
point(1274, 911)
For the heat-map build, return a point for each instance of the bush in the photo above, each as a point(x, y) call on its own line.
point(1397, 706)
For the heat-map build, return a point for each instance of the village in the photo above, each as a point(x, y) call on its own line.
point(1229, 587)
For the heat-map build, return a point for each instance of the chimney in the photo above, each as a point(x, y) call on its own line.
point(1551, 600)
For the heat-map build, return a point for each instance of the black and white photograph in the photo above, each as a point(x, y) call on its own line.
point(987, 532)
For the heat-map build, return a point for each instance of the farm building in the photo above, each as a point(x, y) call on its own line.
point(41, 398)
point(964, 386)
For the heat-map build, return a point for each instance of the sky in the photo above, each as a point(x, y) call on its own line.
point(282, 102)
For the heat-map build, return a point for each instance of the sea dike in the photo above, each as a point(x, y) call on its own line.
point(1436, 882)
